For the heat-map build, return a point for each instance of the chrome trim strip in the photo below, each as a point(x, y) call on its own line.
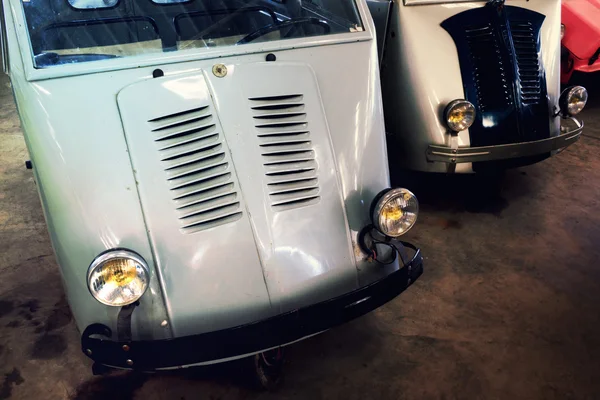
point(448, 155)
point(380, 12)
point(3, 40)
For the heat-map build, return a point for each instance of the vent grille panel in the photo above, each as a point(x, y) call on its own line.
point(197, 170)
point(172, 140)
point(285, 145)
point(489, 74)
point(528, 62)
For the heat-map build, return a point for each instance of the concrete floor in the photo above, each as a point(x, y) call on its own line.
point(509, 306)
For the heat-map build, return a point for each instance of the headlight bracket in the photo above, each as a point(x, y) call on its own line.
point(373, 243)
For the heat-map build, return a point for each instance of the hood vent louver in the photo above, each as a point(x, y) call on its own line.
point(528, 62)
point(286, 149)
point(197, 169)
point(489, 75)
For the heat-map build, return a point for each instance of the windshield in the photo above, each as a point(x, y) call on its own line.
point(73, 31)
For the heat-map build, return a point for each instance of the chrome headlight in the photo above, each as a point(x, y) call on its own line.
point(459, 115)
point(395, 212)
point(118, 278)
point(573, 100)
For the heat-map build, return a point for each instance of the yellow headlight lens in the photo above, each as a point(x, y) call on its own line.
point(119, 272)
point(396, 212)
point(460, 115)
point(392, 211)
point(118, 278)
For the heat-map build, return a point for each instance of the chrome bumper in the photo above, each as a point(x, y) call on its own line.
point(501, 152)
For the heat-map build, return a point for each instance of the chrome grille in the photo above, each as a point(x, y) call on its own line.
point(286, 149)
point(489, 72)
point(197, 169)
point(528, 63)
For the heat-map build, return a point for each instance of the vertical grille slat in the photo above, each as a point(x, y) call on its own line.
point(489, 74)
point(285, 145)
point(528, 63)
point(194, 158)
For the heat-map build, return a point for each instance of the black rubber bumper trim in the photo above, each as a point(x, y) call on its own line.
point(251, 338)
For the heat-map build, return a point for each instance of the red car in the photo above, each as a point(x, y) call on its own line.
point(580, 37)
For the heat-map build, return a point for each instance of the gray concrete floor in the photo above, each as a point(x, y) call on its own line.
point(508, 307)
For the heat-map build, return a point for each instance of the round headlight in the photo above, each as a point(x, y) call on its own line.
point(395, 212)
point(118, 278)
point(459, 115)
point(573, 100)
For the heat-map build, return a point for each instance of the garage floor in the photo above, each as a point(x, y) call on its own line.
point(509, 306)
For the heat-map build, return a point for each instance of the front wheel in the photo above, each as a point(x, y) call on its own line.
point(268, 369)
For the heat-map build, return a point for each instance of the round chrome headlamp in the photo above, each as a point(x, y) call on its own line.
point(573, 100)
point(118, 278)
point(459, 115)
point(395, 212)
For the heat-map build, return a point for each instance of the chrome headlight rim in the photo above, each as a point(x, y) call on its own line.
point(381, 200)
point(454, 105)
point(112, 254)
point(565, 98)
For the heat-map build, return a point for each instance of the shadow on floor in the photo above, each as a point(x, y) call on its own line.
point(472, 193)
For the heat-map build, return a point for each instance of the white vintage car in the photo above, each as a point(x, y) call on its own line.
point(213, 173)
point(474, 86)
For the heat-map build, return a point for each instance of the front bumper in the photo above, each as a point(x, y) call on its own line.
point(232, 343)
point(449, 155)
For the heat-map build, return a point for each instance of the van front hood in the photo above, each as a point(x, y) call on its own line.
point(240, 194)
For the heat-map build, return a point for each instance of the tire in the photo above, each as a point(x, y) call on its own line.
point(267, 368)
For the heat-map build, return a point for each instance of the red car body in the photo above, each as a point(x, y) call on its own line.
point(581, 41)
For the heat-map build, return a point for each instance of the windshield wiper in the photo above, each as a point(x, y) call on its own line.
point(285, 24)
point(329, 16)
point(48, 59)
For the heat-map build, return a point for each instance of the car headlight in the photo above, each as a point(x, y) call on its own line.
point(562, 31)
point(395, 211)
point(459, 115)
point(573, 100)
point(118, 278)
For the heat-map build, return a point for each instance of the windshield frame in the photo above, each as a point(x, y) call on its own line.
point(434, 2)
point(195, 54)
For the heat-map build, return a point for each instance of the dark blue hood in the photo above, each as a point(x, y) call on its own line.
point(502, 73)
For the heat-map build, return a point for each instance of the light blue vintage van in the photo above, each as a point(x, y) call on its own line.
point(213, 173)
